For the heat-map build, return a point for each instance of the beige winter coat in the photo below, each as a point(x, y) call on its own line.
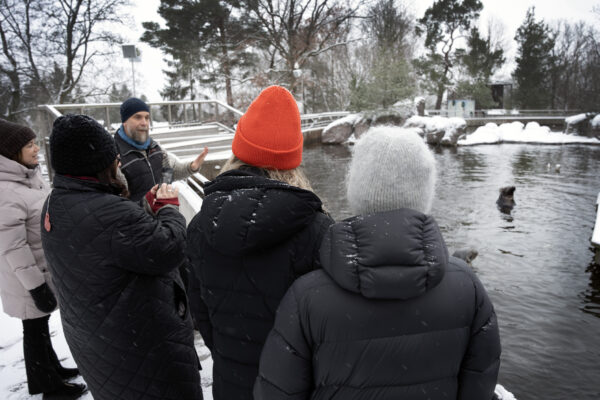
point(22, 263)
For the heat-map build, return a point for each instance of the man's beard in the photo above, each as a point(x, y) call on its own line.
point(139, 136)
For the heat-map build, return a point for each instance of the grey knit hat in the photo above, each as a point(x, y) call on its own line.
point(391, 168)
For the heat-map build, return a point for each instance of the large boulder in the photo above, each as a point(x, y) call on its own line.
point(596, 125)
point(339, 131)
point(361, 126)
point(438, 130)
point(585, 124)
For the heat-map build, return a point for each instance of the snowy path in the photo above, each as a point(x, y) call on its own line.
point(13, 382)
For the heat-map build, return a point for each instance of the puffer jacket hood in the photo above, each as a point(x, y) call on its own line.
point(12, 171)
point(261, 212)
point(398, 254)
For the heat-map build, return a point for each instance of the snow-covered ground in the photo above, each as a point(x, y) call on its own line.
point(13, 382)
point(516, 132)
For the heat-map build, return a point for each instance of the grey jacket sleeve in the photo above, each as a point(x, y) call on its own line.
point(479, 369)
point(181, 169)
point(14, 248)
point(285, 370)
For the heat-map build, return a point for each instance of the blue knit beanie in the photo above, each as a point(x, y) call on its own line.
point(131, 106)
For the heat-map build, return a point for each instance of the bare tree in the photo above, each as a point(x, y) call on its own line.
point(295, 31)
point(48, 45)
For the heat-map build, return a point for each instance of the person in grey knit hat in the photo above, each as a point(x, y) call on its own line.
point(390, 315)
point(392, 168)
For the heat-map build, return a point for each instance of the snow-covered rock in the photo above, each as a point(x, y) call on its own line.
point(575, 119)
point(596, 121)
point(438, 130)
point(583, 124)
point(361, 126)
point(340, 130)
point(516, 132)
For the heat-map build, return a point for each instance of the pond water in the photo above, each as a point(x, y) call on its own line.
point(537, 263)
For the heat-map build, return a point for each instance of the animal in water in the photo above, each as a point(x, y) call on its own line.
point(467, 255)
point(506, 200)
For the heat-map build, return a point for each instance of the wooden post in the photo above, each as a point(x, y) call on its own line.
point(170, 116)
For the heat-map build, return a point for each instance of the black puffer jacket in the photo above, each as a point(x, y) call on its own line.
point(123, 309)
point(390, 316)
point(252, 238)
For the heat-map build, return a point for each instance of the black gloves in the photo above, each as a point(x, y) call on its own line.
point(43, 298)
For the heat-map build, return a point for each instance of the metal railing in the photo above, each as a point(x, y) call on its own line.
point(166, 114)
point(506, 113)
point(320, 120)
point(174, 113)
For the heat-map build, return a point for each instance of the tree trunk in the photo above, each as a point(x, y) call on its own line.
point(440, 95)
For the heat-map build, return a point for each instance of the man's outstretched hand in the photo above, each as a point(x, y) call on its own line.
point(197, 163)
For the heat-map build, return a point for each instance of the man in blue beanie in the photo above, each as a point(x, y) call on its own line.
point(142, 159)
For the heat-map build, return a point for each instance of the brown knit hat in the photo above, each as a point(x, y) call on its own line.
point(13, 137)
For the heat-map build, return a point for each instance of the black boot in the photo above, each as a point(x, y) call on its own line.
point(69, 391)
point(67, 373)
point(40, 368)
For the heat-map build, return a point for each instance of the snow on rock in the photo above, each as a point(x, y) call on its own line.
point(516, 132)
point(438, 130)
point(596, 121)
point(339, 130)
point(575, 119)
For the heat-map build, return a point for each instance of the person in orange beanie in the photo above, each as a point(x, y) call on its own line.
point(259, 228)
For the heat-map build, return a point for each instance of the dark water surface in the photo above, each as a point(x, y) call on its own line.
point(536, 265)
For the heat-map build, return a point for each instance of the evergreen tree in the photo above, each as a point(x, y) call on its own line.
point(443, 23)
point(534, 61)
point(390, 79)
point(479, 63)
point(207, 39)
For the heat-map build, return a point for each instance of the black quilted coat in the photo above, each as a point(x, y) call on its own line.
point(390, 316)
point(123, 309)
point(252, 238)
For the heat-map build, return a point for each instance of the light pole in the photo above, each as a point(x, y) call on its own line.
point(131, 52)
point(298, 73)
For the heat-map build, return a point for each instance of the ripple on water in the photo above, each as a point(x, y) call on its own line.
point(535, 263)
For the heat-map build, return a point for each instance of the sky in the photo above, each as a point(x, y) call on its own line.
point(511, 13)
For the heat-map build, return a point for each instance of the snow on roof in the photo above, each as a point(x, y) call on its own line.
point(596, 121)
point(575, 119)
point(516, 132)
point(348, 119)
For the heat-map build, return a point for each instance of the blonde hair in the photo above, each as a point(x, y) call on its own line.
point(293, 177)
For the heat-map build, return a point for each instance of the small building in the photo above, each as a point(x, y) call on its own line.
point(461, 108)
point(502, 93)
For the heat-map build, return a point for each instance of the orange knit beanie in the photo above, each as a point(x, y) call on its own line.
point(268, 135)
